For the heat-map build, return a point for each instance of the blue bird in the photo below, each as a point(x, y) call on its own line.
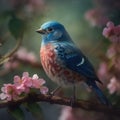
point(63, 62)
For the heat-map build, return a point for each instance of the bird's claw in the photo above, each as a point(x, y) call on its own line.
point(51, 94)
point(54, 91)
point(72, 101)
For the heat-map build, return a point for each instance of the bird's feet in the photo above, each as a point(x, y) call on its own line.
point(54, 91)
point(51, 94)
point(73, 98)
point(72, 101)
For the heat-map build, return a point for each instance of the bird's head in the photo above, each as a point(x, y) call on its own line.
point(52, 31)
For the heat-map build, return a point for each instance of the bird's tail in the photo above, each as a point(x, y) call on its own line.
point(99, 93)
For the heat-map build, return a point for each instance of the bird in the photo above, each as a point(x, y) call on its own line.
point(64, 63)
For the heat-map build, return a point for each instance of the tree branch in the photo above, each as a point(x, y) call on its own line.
point(7, 56)
point(86, 105)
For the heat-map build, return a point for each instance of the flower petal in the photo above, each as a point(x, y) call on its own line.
point(17, 80)
point(44, 90)
point(25, 74)
point(35, 76)
point(3, 96)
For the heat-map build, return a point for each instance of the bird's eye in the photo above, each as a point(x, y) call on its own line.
point(50, 29)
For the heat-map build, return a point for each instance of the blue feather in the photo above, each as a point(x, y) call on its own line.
point(71, 57)
point(74, 59)
point(98, 92)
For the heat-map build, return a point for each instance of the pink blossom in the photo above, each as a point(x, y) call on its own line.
point(103, 71)
point(109, 29)
point(9, 92)
point(35, 5)
point(23, 54)
point(112, 32)
point(17, 80)
point(26, 80)
point(36, 82)
point(21, 85)
point(67, 114)
point(10, 65)
point(44, 89)
point(113, 86)
point(3, 96)
point(111, 52)
point(24, 83)
point(95, 17)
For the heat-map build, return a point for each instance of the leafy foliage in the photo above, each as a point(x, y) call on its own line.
point(16, 27)
point(17, 113)
point(35, 109)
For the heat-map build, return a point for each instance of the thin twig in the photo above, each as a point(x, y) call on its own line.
point(7, 56)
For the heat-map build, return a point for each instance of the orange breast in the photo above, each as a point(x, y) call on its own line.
point(49, 60)
point(54, 68)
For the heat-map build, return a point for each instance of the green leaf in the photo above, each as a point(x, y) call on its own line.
point(35, 109)
point(17, 113)
point(16, 27)
point(4, 16)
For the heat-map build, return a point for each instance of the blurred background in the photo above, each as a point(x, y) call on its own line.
point(85, 21)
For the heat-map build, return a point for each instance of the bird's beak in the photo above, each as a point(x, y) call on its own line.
point(41, 31)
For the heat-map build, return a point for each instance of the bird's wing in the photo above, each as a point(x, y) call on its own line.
point(74, 59)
